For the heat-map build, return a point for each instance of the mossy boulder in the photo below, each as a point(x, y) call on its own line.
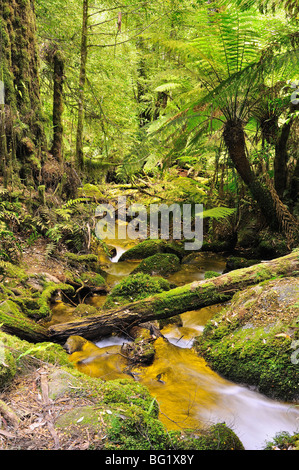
point(152, 247)
point(216, 437)
point(125, 426)
point(17, 355)
point(135, 287)
point(92, 279)
point(161, 264)
point(141, 351)
point(128, 392)
point(84, 310)
point(252, 340)
point(129, 427)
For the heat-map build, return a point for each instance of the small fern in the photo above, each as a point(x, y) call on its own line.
point(74, 202)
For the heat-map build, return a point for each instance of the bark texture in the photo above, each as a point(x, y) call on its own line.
point(22, 120)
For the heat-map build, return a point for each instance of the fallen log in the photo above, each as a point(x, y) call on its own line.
point(176, 301)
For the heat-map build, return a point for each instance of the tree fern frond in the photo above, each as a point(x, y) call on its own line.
point(217, 213)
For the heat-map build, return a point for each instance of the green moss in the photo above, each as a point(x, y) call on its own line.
point(152, 247)
point(45, 297)
point(8, 366)
point(135, 287)
point(160, 264)
point(83, 310)
point(130, 393)
point(217, 437)
point(13, 320)
point(20, 353)
point(129, 427)
point(93, 279)
point(12, 271)
point(81, 259)
point(143, 250)
point(211, 274)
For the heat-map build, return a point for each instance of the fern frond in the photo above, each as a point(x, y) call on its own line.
point(74, 202)
point(217, 213)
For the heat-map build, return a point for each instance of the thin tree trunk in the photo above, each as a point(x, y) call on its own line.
point(58, 63)
point(81, 92)
point(281, 159)
point(3, 146)
point(176, 301)
point(281, 155)
point(294, 193)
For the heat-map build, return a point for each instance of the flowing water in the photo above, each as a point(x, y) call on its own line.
point(189, 393)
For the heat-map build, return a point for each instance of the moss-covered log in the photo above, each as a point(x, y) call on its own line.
point(176, 301)
point(14, 322)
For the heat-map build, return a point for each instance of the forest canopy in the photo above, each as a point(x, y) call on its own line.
point(193, 99)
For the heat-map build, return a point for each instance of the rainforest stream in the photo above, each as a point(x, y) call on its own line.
point(189, 393)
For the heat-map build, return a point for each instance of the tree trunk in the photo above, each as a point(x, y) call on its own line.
point(235, 141)
point(142, 87)
point(24, 133)
point(176, 301)
point(58, 64)
point(81, 92)
point(281, 154)
point(294, 192)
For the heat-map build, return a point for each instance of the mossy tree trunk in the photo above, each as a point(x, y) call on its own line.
point(24, 140)
point(176, 301)
point(81, 91)
point(58, 75)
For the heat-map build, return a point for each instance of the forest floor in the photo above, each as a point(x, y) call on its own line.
point(35, 261)
point(37, 413)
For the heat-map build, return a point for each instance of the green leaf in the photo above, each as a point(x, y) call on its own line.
point(217, 213)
